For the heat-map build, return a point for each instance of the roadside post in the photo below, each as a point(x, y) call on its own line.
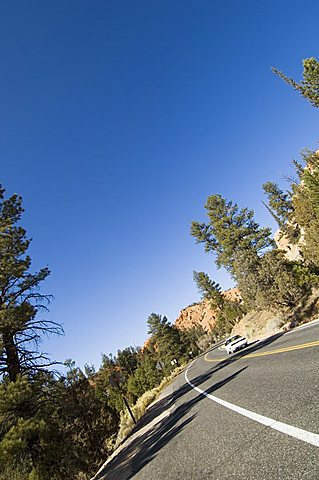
point(115, 380)
point(160, 365)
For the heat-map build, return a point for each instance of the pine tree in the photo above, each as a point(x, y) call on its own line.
point(227, 312)
point(306, 206)
point(309, 86)
point(209, 289)
point(166, 339)
point(127, 360)
point(269, 282)
point(228, 231)
point(279, 202)
point(310, 178)
point(280, 206)
point(33, 439)
point(20, 300)
point(88, 418)
point(157, 324)
point(146, 376)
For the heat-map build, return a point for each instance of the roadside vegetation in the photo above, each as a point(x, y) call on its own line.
point(268, 278)
point(57, 426)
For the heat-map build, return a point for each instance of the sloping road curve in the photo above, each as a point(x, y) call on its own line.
point(198, 438)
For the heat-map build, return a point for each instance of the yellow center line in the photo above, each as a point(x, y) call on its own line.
point(269, 352)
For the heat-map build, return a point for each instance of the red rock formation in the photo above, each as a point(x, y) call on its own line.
point(146, 343)
point(202, 314)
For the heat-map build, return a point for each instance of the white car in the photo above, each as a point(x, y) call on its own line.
point(234, 343)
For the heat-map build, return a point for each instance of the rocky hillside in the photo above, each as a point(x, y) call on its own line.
point(201, 313)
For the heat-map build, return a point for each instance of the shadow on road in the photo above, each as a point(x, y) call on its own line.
point(166, 402)
point(253, 347)
point(144, 448)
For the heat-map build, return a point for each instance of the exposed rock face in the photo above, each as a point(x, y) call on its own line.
point(146, 343)
point(256, 325)
point(233, 294)
point(197, 314)
point(202, 314)
point(292, 250)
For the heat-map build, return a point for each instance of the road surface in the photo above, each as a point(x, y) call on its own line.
point(251, 415)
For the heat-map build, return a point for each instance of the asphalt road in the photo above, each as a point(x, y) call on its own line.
point(275, 382)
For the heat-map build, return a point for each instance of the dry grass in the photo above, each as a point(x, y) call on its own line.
point(126, 422)
point(256, 325)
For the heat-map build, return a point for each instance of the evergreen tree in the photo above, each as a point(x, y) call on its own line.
point(247, 267)
point(280, 206)
point(228, 231)
point(166, 339)
point(157, 325)
point(127, 360)
point(195, 339)
point(309, 85)
point(33, 440)
point(146, 376)
point(306, 205)
point(269, 282)
point(209, 289)
point(279, 202)
point(20, 300)
point(265, 278)
point(310, 178)
point(110, 393)
point(89, 420)
point(227, 312)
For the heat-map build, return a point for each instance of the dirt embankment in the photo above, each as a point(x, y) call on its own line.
point(256, 325)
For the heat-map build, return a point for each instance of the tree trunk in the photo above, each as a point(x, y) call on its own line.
point(13, 364)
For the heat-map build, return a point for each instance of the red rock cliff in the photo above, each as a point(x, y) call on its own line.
point(202, 314)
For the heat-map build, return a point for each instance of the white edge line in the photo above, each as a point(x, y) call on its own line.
point(308, 437)
point(305, 325)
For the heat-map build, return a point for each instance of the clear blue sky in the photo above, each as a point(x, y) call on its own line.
point(118, 119)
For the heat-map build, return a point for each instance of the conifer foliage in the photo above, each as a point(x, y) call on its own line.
point(20, 299)
point(227, 312)
point(229, 230)
point(306, 206)
point(309, 85)
point(266, 279)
